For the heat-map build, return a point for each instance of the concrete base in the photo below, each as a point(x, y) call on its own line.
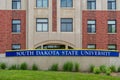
point(44, 63)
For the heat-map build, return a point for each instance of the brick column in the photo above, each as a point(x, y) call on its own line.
point(54, 15)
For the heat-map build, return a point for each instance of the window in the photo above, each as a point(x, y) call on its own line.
point(112, 26)
point(91, 4)
point(42, 25)
point(91, 46)
point(91, 26)
point(16, 47)
point(112, 47)
point(16, 26)
point(111, 4)
point(66, 3)
point(66, 25)
point(53, 46)
point(41, 3)
point(16, 4)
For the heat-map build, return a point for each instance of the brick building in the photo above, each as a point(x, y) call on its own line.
point(59, 24)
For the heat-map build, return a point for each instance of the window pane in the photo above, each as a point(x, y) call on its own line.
point(16, 4)
point(45, 3)
point(69, 3)
point(91, 22)
point(66, 3)
point(39, 27)
point(91, 46)
point(16, 26)
point(39, 3)
point(16, 47)
point(42, 25)
point(42, 20)
point(45, 27)
point(63, 3)
point(69, 27)
point(66, 25)
point(112, 47)
point(91, 4)
point(111, 22)
point(63, 27)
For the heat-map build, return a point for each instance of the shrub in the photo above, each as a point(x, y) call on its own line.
point(119, 69)
point(23, 66)
point(108, 71)
point(76, 67)
point(96, 70)
point(68, 66)
point(113, 68)
point(3, 65)
point(13, 67)
point(34, 67)
point(92, 67)
point(103, 68)
point(54, 67)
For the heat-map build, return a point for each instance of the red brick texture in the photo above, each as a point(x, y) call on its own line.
point(7, 38)
point(54, 15)
point(101, 38)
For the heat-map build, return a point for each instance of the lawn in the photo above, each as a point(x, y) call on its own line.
point(48, 75)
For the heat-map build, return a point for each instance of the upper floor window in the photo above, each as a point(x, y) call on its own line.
point(41, 3)
point(66, 25)
point(16, 47)
point(111, 4)
point(42, 25)
point(16, 4)
point(91, 26)
point(111, 26)
point(66, 3)
point(16, 25)
point(112, 47)
point(91, 4)
point(91, 46)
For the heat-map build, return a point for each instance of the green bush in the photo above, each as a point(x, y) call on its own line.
point(92, 67)
point(3, 65)
point(96, 70)
point(113, 68)
point(103, 68)
point(76, 67)
point(54, 67)
point(68, 66)
point(119, 69)
point(108, 71)
point(23, 66)
point(13, 67)
point(34, 67)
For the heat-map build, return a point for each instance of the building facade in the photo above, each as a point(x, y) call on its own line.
point(59, 24)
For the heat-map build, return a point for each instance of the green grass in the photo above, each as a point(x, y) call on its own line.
point(48, 75)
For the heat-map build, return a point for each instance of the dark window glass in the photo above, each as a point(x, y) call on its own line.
point(54, 47)
point(91, 46)
point(16, 47)
point(66, 3)
point(41, 3)
point(66, 25)
point(112, 47)
point(111, 26)
point(91, 26)
point(112, 4)
point(16, 4)
point(16, 25)
point(91, 4)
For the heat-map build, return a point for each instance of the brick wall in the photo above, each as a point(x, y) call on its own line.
point(101, 38)
point(7, 38)
point(54, 15)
